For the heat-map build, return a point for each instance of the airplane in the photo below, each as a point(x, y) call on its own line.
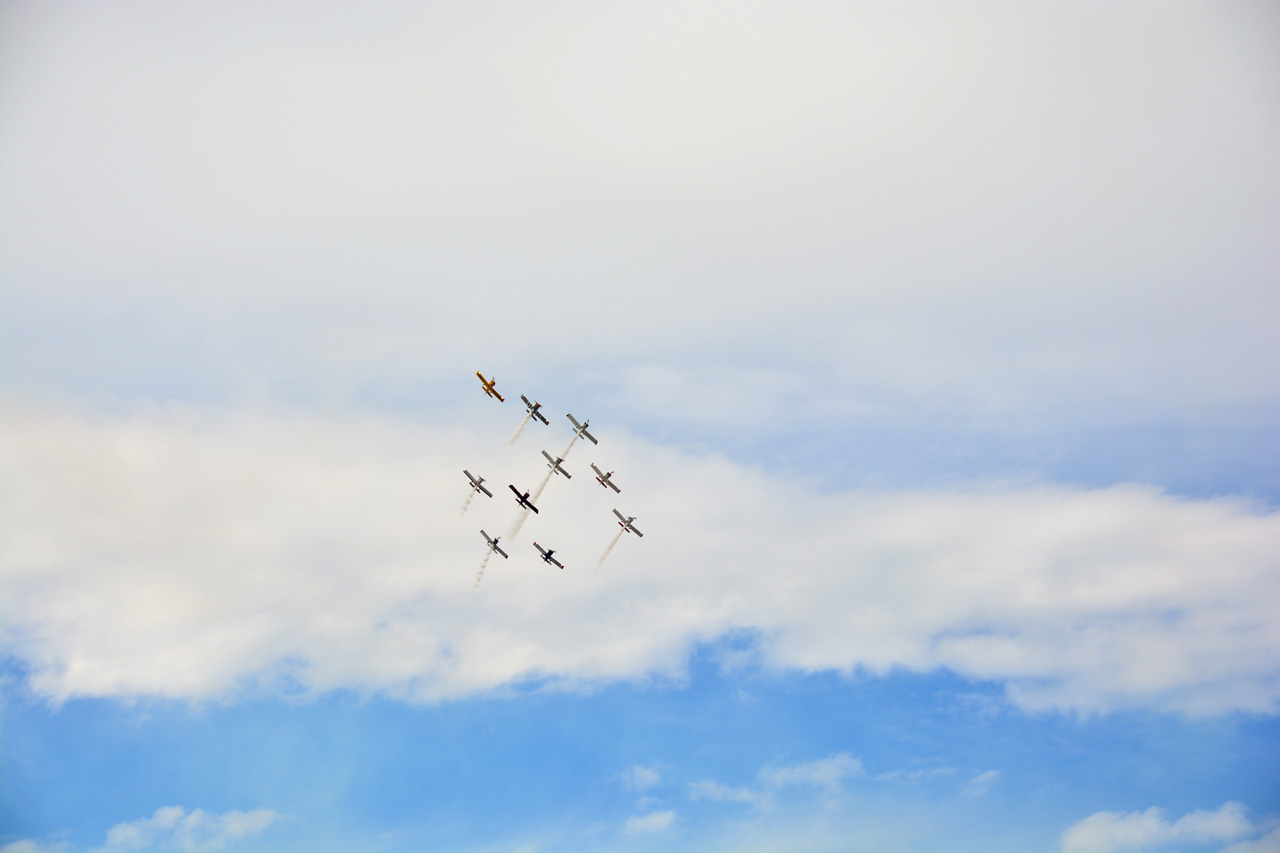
point(533, 409)
point(603, 479)
point(476, 481)
point(625, 523)
point(523, 500)
point(493, 544)
point(554, 465)
point(582, 428)
point(546, 555)
point(488, 387)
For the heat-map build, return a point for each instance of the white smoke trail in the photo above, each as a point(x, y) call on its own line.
point(565, 454)
point(520, 428)
point(610, 548)
point(483, 564)
point(471, 494)
point(537, 493)
point(519, 522)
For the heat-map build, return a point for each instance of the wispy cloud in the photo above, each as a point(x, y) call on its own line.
point(175, 828)
point(980, 784)
point(1112, 832)
point(30, 845)
point(826, 773)
point(716, 792)
point(641, 778)
point(652, 822)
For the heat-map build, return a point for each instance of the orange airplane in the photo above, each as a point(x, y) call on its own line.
point(488, 387)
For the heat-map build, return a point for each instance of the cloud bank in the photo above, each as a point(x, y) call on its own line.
point(197, 555)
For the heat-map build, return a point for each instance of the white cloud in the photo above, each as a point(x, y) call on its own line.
point(980, 784)
point(175, 828)
point(1268, 843)
point(652, 822)
point(641, 778)
point(1111, 832)
point(30, 845)
point(828, 773)
point(716, 792)
point(825, 773)
point(194, 554)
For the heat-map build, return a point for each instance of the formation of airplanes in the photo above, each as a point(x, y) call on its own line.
point(525, 499)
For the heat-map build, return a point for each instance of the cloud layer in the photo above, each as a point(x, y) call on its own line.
point(825, 210)
point(200, 554)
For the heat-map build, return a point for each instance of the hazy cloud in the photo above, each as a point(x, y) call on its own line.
point(224, 200)
point(640, 778)
point(980, 784)
point(652, 822)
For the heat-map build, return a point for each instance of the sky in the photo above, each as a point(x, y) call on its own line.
point(932, 348)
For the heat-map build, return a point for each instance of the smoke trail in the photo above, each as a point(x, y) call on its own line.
point(537, 493)
point(520, 428)
point(471, 494)
point(483, 564)
point(610, 548)
point(519, 522)
point(565, 455)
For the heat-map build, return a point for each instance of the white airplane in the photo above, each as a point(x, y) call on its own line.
point(476, 482)
point(493, 544)
point(625, 523)
point(546, 555)
point(582, 428)
point(603, 479)
point(533, 409)
point(488, 387)
point(554, 465)
point(523, 500)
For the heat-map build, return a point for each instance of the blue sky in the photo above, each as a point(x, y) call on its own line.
point(932, 349)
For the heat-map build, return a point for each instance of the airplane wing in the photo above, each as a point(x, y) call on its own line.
point(541, 417)
point(608, 483)
point(483, 489)
point(632, 528)
point(557, 562)
point(620, 516)
point(590, 436)
point(526, 401)
point(500, 551)
point(599, 473)
point(549, 458)
point(574, 421)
